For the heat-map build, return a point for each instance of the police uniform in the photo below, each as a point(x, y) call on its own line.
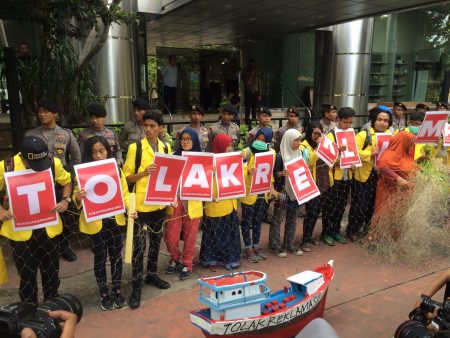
point(252, 133)
point(327, 127)
point(231, 129)
point(280, 132)
point(131, 133)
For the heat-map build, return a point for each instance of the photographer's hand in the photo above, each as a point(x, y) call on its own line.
point(68, 322)
point(27, 333)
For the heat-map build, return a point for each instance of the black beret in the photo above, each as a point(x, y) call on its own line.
point(197, 108)
point(328, 106)
point(141, 103)
point(265, 110)
point(294, 110)
point(230, 108)
point(442, 104)
point(96, 109)
point(50, 106)
point(401, 105)
point(422, 106)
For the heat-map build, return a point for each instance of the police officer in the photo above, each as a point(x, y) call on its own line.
point(293, 116)
point(63, 145)
point(97, 113)
point(196, 114)
point(225, 126)
point(36, 249)
point(329, 116)
point(264, 116)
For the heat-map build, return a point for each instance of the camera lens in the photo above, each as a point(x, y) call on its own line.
point(66, 302)
point(412, 329)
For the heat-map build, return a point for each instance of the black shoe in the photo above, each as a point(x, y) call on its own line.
point(135, 299)
point(185, 273)
point(153, 279)
point(106, 302)
point(174, 267)
point(119, 300)
point(68, 255)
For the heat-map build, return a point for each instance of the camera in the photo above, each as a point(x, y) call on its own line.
point(16, 316)
point(416, 326)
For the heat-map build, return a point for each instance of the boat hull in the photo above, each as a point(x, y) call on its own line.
point(282, 324)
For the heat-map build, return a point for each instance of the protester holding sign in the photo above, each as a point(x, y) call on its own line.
point(35, 249)
point(365, 181)
point(184, 216)
point(340, 185)
point(414, 123)
point(287, 202)
point(254, 206)
point(105, 234)
point(137, 169)
point(320, 172)
point(221, 243)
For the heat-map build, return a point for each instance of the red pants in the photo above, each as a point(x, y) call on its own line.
point(176, 222)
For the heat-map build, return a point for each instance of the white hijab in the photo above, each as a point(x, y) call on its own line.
point(287, 153)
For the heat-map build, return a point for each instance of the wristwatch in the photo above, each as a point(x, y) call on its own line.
point(67, 198)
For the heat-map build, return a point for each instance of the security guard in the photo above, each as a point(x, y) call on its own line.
point(97, 113)
point(63, 145)
point(36, 249)
point(293, 116)
point(225, 126)
point(196, 114)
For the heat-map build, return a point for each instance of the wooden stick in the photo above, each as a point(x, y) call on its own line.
point(130, 229)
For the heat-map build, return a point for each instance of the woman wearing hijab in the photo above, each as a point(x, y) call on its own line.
point(221, 242)
point(289, 150)
point(185, 216)
point(396, 170)
point(254, 206)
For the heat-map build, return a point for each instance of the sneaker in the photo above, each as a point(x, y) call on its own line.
point(328, 240)
point(261, 256)
point(294, 251)
point(119, 300)
point(106, 303)
point(153, 279)
point(340, 239)
point(306, 247)
point(253, 258)
point(185, 273)
point(280, 253)
point(174, 267)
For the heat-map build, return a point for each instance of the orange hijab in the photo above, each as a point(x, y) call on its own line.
point(399, 155)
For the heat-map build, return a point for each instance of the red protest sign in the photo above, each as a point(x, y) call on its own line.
point(350, 156)
point(301, 180)
point(229, 175)
point(431, 128)
point(101, 181)
point(162, 185)
point(383, 141)
point(446, 135)
point(327, 151)
point(197, 176)
point(31, 197)
point(263, 176)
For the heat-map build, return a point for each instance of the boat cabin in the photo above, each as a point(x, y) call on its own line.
point(306, 282)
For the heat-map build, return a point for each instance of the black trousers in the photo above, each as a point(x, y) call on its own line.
point(153, 221)
point(39, 252)
point(313, 209)
point(251, 104)
point(362, 205)
point(170, 98)
point(108, 242)
point(335, 206)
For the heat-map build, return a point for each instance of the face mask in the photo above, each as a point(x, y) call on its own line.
point(414, 129)
point(260, 145)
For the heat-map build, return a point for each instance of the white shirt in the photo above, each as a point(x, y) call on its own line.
point(170, 76)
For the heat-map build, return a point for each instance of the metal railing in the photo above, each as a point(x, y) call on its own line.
point(299, 100)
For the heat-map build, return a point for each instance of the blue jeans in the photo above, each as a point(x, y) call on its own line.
point(252, 216)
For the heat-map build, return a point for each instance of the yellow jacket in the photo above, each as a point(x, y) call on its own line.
point(147, 159)
point(195, 209)
point(94, 227)
point(251, 199)
point(362, 173)
point(312, 160)
point(336, 172)
point(62, 178)
point(219, 208)
point(3, 271)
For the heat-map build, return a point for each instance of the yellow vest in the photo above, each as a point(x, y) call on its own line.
point(336, 172)
point(3, 272)
point(362, 173)
point(147, 159)
point(94, 227)
point(195, 209)
point(62, 178)
point(219, 208)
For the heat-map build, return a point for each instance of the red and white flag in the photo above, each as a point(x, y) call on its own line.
point(229, 175)
point(31, 199)
point(163, 184)
point(446, 135)
point(263, 176)
point(350, 156)
point(101, 180)
point(383, 141)
point(197, 177)
point(431, 128)
point(327, 151)
point(301, 180)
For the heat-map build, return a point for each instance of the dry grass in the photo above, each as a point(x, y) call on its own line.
point(415, 226)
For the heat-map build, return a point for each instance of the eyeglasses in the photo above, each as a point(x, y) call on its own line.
point(186, 140)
